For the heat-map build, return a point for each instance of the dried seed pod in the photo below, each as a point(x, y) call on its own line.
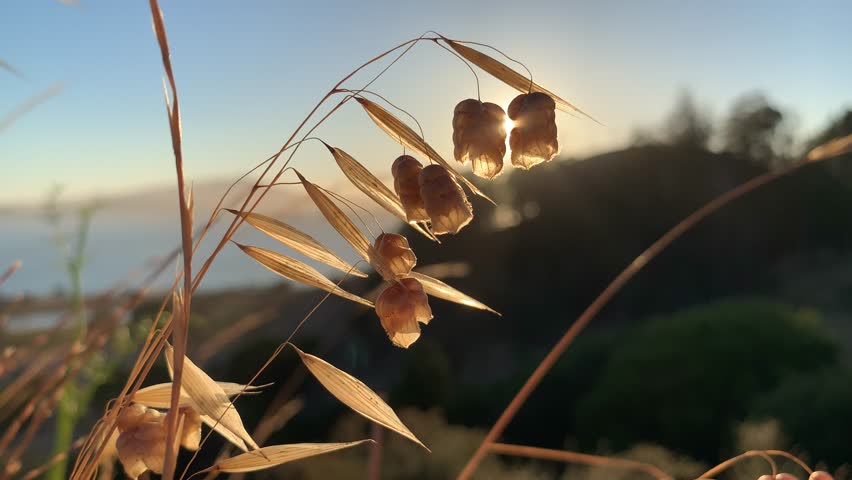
point(191, 432)
point(785, 476)
point(400, 306)
point(445, 201)
point(405, 171)
point(820, 475)
point(392, 257)
point(479, 135)
point(141, 443)
point(533, 139)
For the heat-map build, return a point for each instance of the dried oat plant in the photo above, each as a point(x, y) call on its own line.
point(145, 426)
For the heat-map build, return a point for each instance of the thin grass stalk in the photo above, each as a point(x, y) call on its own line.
point(179, 334)
point(581, 458)
point(20, 110)
point(603, 299)
point(10, 271)
point(739, 458)
point(374, 459)
point(790, 456)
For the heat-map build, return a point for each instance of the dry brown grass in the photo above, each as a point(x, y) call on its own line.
point(37, 388)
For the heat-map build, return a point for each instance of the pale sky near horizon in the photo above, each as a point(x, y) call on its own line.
point(247, 73)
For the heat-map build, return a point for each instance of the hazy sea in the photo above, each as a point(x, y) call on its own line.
point(119, 246)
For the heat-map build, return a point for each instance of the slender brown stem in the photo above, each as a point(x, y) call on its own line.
point(9, 271)
point(790, 456)
point(179, 334)
point(374, 461)
point(574, 457)
point(603, 299)
point(733, 461)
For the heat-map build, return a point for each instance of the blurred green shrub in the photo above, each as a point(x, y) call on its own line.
point(685, 379)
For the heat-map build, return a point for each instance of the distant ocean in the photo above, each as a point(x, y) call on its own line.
point(118, 246)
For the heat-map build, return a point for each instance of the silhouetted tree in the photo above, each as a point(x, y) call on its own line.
point(840, 126)
point(756, 129)
point(687, 125)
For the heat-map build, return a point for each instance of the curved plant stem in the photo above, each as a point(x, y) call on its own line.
point(733, 461)
point(790, 456)
point(574, 457)
point(603, 299)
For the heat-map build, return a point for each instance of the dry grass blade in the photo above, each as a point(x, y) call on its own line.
point(210, 398)
point(274, 455)
point(510, 77)
point(399, 131)
point(355, 395)
point(299, 241)
point(439, 289)
point(337, 219)
point(834, 148)
point(159, 396)
point(14, 71)
point(297, 271)
point(224, 432)
point(372, 187)
point(28, 105)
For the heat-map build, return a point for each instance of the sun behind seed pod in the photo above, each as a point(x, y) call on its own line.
point(392, 256)
point(405, 171)
point(445, 201)
point(820, 475)
point(400, 307)
point(479, 136)
point(533, 139)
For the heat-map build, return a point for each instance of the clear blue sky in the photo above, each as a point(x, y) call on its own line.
point(247, 73)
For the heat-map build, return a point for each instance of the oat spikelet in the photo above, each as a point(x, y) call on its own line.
point(392, 257)
point(439, 289)
point(274, 455)
point(479, 136)
point(372, 187)
point(445, 201)
point(293, 269)
point(406, 170)
point(337, 218)
point(402, 133)
point(401, 308)
point(298, 241)
point(510, 77)
point(210, 399)
point(533, 139)
point(355, 395)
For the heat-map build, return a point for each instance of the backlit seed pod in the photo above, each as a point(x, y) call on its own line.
point(405, 171)
point(141, 443)
point(533, 139)
point(191, 432)
point(820, 475)
point(479, 136)
point(400, 307)
point(785, 476)
point(445, 201)
point(393, 257)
